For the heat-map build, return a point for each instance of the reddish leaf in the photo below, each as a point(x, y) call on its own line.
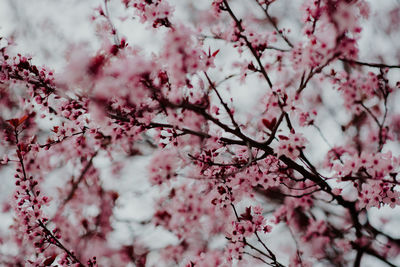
point(13, 122)
point(283, 137)
point(49, 260)
point(19, 154)
point(269, 124)
point(246, 215)
point(17, 122)
point(21, 120)
point(215, 53)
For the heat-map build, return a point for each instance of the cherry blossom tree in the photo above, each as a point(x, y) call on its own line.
point(268, 130)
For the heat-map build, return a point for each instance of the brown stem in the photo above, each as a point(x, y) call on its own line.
point(248, 44)
point(372, 65)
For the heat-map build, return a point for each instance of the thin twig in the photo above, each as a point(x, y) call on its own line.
point(369, 64)
point(272, 21)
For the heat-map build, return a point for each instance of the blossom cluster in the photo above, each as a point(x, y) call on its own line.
point(242, 125)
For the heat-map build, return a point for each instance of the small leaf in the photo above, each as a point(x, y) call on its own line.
point(246, 215)
point(13, 122)
point(21, 120)
point(283, 137)
point(17, 122)
point(215, 53)
point(269, 124)
point(49, 260)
